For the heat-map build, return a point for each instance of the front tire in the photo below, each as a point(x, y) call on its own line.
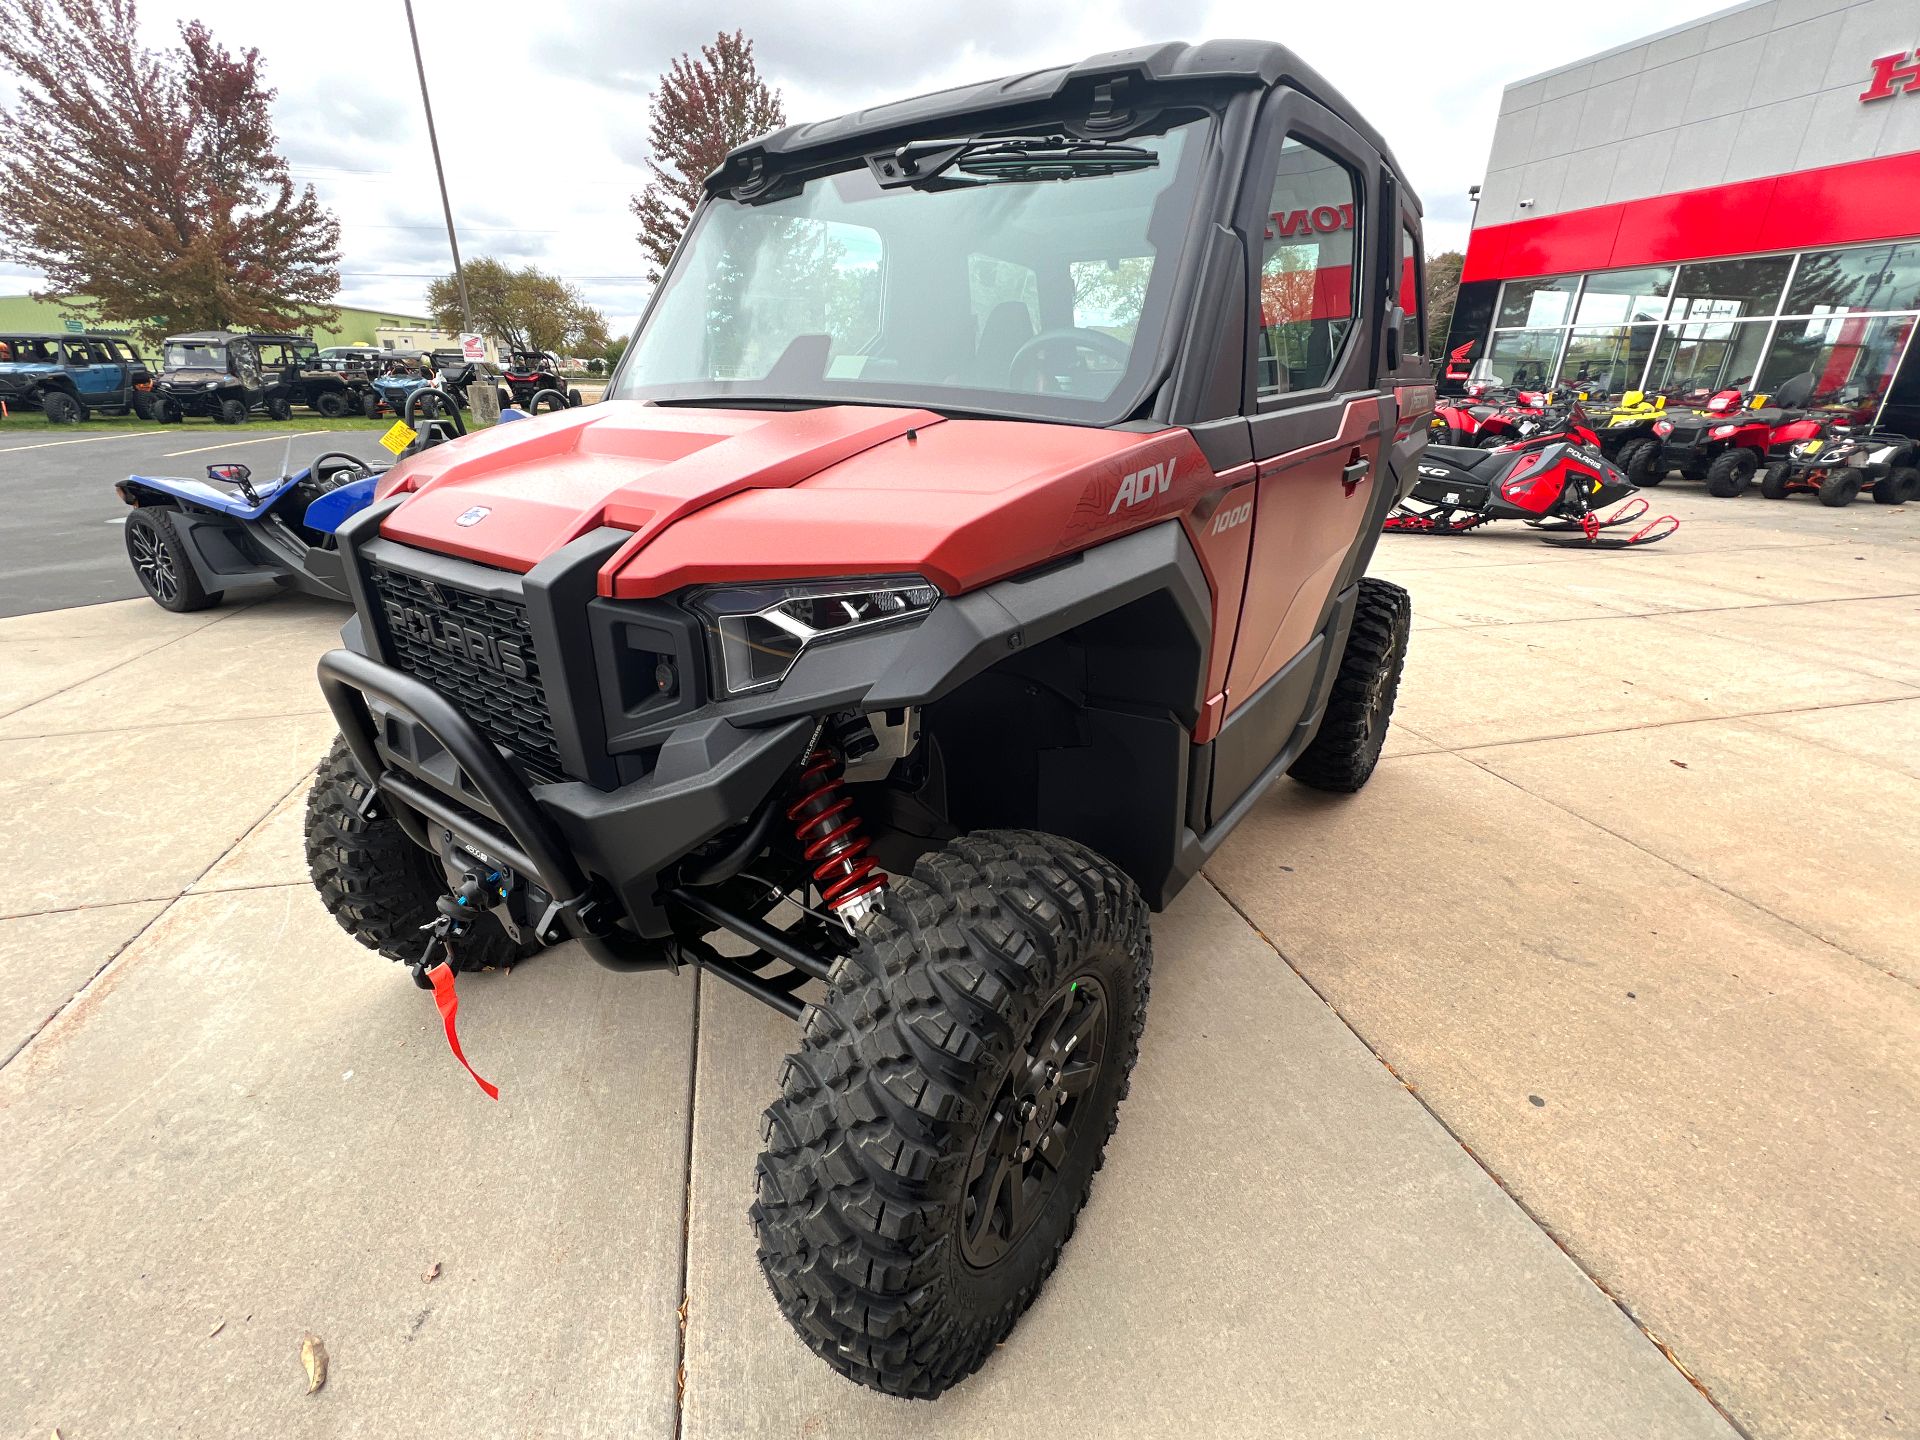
point(1839, 487)
point(1641, 460)
point(1342, 755)
point(379, 885)
point(232, 412)
point(60, 408)
point(161, 565)
point(330, 405)
point(1730, 472)
point(1773, 480)
point(938, 1130)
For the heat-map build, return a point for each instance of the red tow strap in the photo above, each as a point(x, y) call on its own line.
point(448, 1000)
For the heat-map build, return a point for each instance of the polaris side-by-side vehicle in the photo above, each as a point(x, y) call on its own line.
point(976, 529)
point(532, 375)
point(66, 377)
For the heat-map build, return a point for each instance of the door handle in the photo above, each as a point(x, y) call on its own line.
point(1356, 472)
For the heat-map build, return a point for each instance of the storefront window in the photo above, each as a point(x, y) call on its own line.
point(1623, 297)
point(1521, 358)
point(1698, 360)
point(1537, 302)
point(1851, 359)
point(1730, 289)
point(1607, 362)
point(1878, 277)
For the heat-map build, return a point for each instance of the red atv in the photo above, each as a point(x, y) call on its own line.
point(1487, 415)
point(971, 536)
point(1557, 480)
point(1725, 442)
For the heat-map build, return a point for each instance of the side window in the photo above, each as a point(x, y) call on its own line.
point(1308, 281)
point(1413, 296)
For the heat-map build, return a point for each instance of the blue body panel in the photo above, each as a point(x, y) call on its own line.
point(327, 514)
point(337, 506)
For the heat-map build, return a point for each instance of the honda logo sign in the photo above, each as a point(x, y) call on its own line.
point(1893, 73)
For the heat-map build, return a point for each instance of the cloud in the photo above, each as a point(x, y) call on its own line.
point(543, 125)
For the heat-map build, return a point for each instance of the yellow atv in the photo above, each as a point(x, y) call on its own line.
point(1627, 430)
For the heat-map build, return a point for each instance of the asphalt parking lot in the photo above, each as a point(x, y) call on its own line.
point(60, 520)
point(1565, 1082)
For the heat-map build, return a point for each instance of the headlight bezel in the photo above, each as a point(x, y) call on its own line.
point(756, 631)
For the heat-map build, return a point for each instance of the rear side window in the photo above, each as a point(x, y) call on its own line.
point(1308, 280)
point(1413, 298)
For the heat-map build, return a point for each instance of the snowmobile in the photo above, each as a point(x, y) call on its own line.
point(1557, 481)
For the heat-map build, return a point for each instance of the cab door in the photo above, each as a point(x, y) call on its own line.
point(1312, 217)
point(95, 376)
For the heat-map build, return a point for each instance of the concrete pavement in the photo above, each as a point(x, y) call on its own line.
point(1543, 1007)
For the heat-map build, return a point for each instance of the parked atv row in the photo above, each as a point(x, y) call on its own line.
point(1725, 440)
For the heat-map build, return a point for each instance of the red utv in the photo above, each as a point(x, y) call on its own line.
point(533, 383)
point(976, 528)
point(1725, 442)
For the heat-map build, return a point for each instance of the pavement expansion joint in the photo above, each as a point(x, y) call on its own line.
point(1484, 1168)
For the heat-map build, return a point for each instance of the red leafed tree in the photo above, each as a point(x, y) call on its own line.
point(706, 105)
point(148, 181)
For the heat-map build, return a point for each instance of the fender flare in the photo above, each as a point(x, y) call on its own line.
point(969, 633)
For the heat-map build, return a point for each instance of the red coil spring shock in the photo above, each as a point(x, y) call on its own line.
point(828, 830)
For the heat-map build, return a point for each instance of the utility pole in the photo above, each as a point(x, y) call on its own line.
point(433, 139)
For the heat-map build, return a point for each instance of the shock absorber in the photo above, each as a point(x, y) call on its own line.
point(851, 882)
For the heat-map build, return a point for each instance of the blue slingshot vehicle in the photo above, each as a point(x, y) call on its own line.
point(191, 540)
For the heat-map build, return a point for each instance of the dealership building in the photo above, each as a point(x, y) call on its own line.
point(1734, 202)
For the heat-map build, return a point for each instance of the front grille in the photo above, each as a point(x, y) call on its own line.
point(478, 652)
point(1689, 436)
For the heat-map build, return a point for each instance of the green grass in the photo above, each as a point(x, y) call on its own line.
point(30, 422)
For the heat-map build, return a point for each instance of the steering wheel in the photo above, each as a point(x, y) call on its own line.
point(346, 461)
point(1029, 356)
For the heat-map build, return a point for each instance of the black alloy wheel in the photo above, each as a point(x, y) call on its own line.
point(161, 565)
point(1034, 1123)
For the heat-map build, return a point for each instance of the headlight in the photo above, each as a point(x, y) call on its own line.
point(1720, 432)
point(757, 632)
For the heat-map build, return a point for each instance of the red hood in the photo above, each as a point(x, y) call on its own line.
point(752, 494)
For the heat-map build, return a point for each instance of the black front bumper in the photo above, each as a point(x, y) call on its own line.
point(584, 780)
point(597, 854)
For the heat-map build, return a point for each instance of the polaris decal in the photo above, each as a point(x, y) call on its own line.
point(1143, 485)
point(450, 637)
point(1232, 519)
point(472, 516)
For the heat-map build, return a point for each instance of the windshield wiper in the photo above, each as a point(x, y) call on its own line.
point(1009, 157)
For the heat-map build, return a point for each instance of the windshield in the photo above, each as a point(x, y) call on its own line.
point(1021, 295)
point(195, 355)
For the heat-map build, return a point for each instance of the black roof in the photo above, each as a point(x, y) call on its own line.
point(65, 334)
point(1258, 64)
point(223, 336)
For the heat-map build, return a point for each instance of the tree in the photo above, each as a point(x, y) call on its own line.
point(525, 308)
point(1443, 289)
point(148, 180)
point(704, 107)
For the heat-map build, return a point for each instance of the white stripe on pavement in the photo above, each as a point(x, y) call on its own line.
point(88, 440)
point(251, 440)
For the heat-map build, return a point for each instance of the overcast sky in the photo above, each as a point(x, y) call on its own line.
point(542, 106)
